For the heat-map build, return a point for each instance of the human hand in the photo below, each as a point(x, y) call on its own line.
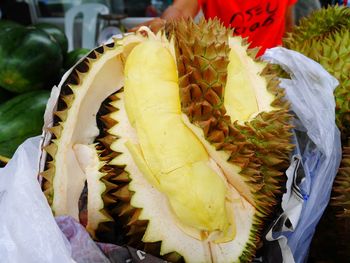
point(155, 25)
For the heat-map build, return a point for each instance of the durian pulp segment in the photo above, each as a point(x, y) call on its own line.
point(230, 170)
point(162, 223)
point(80, 125)
point(245, 92)
point(172, 152)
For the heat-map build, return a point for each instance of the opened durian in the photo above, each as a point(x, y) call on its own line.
point(188, 151)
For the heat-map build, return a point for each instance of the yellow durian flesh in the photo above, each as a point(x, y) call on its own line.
point(245, 95)
point(173, 154)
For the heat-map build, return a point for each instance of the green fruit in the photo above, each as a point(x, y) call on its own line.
point(56, 33)
point(73, 57)
point(6, 25)
point(29, 59)
point(20, 118)
point(5, 95)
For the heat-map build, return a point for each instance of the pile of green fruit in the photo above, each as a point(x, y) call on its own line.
point(32, 60)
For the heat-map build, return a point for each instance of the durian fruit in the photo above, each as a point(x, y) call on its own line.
point(240, 104)
point(190, 175)
point(342, 185)
point(341, 203)
point(325, 37)
point(73, 155)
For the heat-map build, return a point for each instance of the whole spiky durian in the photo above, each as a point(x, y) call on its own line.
point(325, 37)
point(187, 152)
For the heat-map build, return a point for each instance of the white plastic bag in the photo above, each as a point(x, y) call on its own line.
point(28, 231)
point(84, 249)
point(316, 157)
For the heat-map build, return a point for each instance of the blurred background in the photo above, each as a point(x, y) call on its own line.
point(122, 14)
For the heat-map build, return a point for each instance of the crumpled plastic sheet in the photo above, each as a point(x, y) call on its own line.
point(84, 249)
point(28, 231)
point(318, 149)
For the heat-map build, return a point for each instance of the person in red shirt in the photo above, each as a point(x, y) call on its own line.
point(263, 22)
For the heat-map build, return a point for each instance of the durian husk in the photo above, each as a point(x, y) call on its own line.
point(122, 209)
point(331, 241)
point(114, 178)
point(341, 202)
point(268, 180)
point(91, 74)
point(260, 147)
point(341, 197)
point(72, 132)
point(154, 204)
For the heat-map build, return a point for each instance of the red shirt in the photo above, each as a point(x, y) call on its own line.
point(262, 21)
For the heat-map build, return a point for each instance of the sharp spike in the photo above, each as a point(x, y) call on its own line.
point(109, 200)
point(136, 230)
point(252, 52)
point(51, 149)
point(68, 99)
point(135, 217)
point(126, 210)
point(106, 215)
point(56, 130)
point(48, 174)
point(108, 121)
point(61, 114)
point(123, 178)
point(123, 194)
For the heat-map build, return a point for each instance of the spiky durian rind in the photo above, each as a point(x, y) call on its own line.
point(261, 147)
point(341, 186)
point(90, 74)
point(319, 25)
point(64, 102)
point(129, 214)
